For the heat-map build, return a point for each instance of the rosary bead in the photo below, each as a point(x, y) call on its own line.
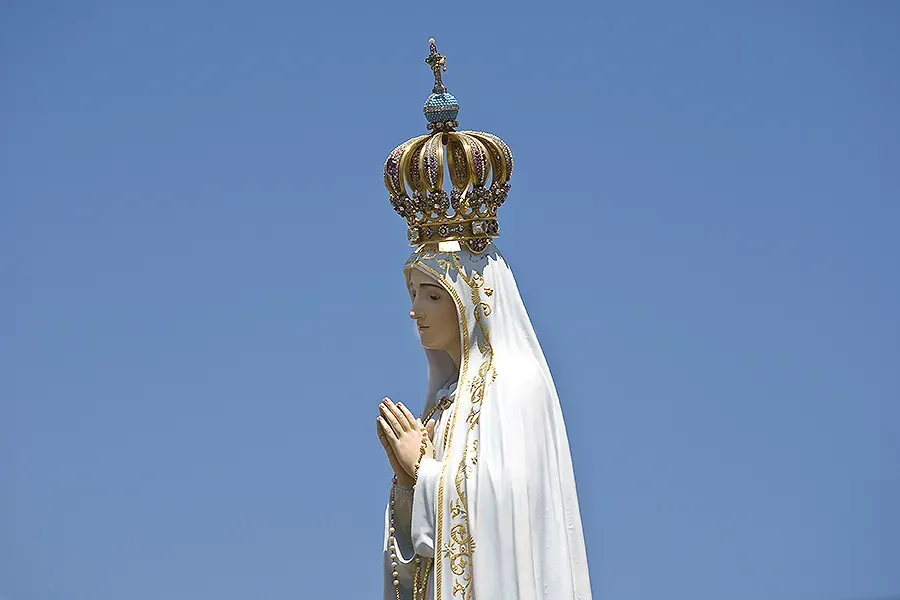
point(396, 583)
point(392, 530)
point(395, 574)
point(394, 565)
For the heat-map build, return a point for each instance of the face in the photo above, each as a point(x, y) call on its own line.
point(434, 312)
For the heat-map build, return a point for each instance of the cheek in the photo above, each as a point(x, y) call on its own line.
point(450, 320)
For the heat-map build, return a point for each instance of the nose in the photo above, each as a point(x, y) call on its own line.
point(416, 313)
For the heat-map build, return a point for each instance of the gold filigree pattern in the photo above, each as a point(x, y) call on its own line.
point(458, 552)
point(486, 372)
point(465, 543)
point(473, 458)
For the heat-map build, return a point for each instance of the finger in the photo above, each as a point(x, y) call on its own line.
point(386, 429)
point(410, 419)
point(391, 419)
point(430, 428)
point(388, 448)
point(389, 451)
point(381, 437)
point(401, 417)
point(385, 443)
point(398, 413)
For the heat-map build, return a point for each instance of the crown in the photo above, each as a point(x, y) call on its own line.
point(479, 164)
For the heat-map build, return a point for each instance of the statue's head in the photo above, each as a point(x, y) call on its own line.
point(453, 230)
point(434, 312)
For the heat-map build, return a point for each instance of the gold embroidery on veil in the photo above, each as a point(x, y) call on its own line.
point(460, 546)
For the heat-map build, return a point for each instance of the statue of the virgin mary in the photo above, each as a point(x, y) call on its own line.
point(483, 504)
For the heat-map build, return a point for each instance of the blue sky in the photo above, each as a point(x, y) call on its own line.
point(203, 299)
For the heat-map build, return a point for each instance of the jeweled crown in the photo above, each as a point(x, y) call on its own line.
point(479, 164)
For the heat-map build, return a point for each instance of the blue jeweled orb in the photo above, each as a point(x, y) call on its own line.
point(441, 107)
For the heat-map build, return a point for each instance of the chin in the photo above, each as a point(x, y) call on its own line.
point(429, 344)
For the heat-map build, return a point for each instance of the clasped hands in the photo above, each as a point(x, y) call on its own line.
point(401, 435)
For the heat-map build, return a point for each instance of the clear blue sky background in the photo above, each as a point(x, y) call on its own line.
point(203, 304)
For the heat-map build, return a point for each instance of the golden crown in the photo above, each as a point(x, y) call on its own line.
point(473, 158)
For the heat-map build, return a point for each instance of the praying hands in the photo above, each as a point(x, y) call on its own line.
point(402, 438)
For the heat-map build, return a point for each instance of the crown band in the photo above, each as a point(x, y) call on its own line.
point(453, 231)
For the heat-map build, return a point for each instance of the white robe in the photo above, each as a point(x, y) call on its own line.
point(496, 507)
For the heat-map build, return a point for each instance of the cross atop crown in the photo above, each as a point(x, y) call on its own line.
point(437, 63)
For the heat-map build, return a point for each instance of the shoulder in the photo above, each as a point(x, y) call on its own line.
point(522, 376)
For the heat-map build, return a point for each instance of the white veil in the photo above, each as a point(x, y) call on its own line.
point(508, 523)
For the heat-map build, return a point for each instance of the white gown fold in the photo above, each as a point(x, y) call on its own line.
point(497, 508)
